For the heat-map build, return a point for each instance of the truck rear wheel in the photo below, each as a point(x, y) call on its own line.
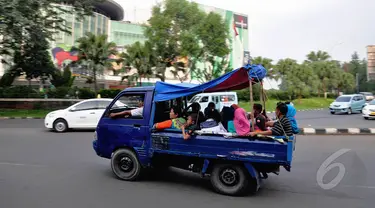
point(125, 165)
point(229, 179)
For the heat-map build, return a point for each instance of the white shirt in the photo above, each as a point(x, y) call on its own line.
point(137, 112)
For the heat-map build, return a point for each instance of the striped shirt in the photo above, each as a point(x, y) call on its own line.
point(282, 127)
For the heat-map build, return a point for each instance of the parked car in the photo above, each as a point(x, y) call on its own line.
point(221, 99)
point(348, 104)
point(369, 110)
point(369, 96)
point(82, 115)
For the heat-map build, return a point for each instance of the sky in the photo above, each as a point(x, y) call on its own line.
point(292, 28)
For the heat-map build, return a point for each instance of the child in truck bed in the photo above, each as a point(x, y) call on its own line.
point(190, 126)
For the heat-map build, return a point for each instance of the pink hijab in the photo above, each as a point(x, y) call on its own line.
point(241, 123)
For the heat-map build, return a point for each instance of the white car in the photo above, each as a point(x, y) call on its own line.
point(82, 115)
point(369, 110)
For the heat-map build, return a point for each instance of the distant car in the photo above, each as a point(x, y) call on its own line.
point(348, 104)
point(369, 96)
point(82, 115)
point(369, 110)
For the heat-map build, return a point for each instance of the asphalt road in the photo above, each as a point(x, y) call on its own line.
point(43, 169)
point(324, 119)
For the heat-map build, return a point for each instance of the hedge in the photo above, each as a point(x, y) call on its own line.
point(86, 93)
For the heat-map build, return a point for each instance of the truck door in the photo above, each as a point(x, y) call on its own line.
point(132, 131)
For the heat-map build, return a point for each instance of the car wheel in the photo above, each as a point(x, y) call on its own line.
point(60, 125)
point(332, 112)
point(350, 111)
point(125, 165)
point(366, 118)
point(229, 179)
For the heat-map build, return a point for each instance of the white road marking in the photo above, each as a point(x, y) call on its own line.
point(20, 164)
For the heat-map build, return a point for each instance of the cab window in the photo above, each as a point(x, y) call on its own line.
point(129, 102)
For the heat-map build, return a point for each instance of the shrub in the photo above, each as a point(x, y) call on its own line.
point(60, 92)
point(20, 92)
point(85, 93)
point(109, 93)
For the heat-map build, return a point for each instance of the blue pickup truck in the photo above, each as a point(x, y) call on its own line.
point(236, 165)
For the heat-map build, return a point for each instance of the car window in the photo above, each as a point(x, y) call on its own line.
point(89, 105)
point(204, 99)
point(343, 99)
point(227, 98)
point(195, 99)
point(103, 104)
point(372, 102)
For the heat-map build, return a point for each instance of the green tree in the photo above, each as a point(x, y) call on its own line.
point(345, 81)
point(19, 18)
point(141, 57)
point(300, 79)
point(359, 66)
point(318, 56)
point(94, 52)
point(178, 28)
point(326, 73)
point(62, 78)
point(282, 68)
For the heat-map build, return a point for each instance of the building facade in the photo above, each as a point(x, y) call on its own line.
point(370, 62)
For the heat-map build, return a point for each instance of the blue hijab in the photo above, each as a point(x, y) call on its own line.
point(291, 116)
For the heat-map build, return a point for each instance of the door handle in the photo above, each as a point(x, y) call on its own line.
point(92, 113)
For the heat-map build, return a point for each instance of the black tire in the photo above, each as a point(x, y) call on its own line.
point(125, 165)
point(366, 118)
point(60, 125)
point(350, 111)
point(332, 112)
point(229, 179)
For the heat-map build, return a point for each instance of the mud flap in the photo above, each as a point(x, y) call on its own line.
point(254, 173)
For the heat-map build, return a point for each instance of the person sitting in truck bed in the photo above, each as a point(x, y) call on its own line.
point(227, 116)
point(241, 123)
point(213, 123)
point(195, 108)
point(260, 119)
point(282, 127)
point(190, 126)
point(211, 106)
point(175, 121)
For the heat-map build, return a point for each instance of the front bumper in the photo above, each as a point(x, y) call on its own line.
point(368, 114)
point(339, 110)
point(48, 122)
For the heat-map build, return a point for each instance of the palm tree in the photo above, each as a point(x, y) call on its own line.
point(318, 56)
point(94, 51)
point(141, 57)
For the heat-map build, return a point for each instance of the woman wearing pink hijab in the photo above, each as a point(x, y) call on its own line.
point(241, 123)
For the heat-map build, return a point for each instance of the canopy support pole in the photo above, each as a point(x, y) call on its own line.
point(251, 105)
point(263, 98)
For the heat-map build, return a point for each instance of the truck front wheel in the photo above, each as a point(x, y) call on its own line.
point(229, 179)
point(125, 165)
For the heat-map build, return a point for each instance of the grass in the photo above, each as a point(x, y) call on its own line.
point(23, 113)
point(311, 103)
point(304, 104)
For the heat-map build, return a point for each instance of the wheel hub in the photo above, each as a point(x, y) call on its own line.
point(60, 126)
point(229, 177)
point(126, 164)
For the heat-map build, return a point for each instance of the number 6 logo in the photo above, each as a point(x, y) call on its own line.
point(327, 166)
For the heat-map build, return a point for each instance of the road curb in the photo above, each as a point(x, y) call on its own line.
point(315, 109)
point(336, 131)
point(6, 118)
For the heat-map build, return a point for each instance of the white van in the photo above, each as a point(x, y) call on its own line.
point(220, 99)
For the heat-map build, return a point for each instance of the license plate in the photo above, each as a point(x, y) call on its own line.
point(372, 114)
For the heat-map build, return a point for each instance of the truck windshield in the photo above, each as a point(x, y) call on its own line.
point(343, 99)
